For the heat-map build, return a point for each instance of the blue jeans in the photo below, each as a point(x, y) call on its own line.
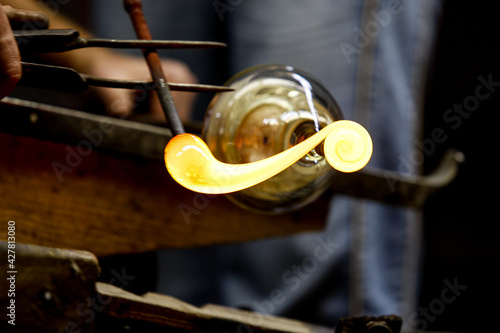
point(373, 57)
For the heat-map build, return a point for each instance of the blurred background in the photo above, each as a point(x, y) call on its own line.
point(461, 232)
point(461, 236)
point(461, 239)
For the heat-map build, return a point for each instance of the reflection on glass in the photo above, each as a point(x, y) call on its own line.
point(272, 109)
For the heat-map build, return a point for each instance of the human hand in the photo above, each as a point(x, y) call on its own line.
point(10, 60)
point(121, 102)
point(25, 19)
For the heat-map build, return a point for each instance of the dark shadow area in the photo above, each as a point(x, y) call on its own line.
point(462, 248)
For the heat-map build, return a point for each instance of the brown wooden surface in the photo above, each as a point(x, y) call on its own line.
point(112, 204)
point(52, 288)
point(56, 290)
point(160, 311)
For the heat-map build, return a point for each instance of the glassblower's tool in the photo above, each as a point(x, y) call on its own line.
point(67, 79)
point(134, 8)
point(32, 42)
point(62, 40)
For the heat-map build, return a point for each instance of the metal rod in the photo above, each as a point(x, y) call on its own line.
point(134, 8)
point(129, 84)
point(67, 79)
point(167, 44)
point(62, 40)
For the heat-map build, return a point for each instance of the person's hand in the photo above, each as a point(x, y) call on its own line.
point(93, 61)
point(121, 102)
point(10, 60)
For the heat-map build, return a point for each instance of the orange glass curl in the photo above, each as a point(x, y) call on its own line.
point(347, 147)
point(270, 144)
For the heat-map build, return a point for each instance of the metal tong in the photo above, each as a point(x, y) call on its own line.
point(31, 42)
point(62, 40)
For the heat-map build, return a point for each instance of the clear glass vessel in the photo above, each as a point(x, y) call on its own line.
point(272, 108)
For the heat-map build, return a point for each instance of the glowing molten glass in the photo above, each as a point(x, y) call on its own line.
point(347, 147)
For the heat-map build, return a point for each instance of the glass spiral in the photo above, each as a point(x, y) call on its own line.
point(272, 109)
